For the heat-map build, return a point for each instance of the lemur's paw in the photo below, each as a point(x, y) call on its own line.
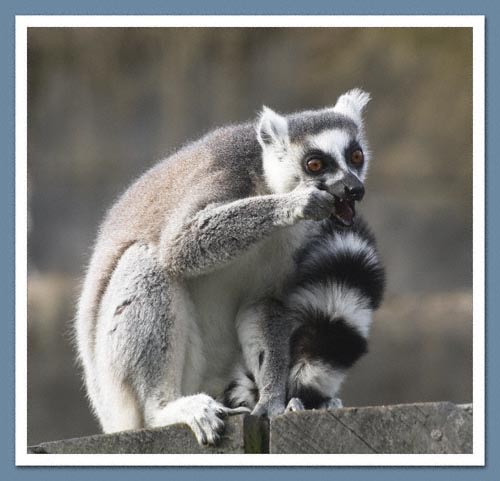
point(204, 417)
point(202, 414)
point(312, 203)
point(333, 403)
point(269, 407)
point(295, 404)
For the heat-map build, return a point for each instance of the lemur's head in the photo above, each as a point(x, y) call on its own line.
point(326, 148)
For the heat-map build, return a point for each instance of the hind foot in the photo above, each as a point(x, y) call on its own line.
point(200, 412)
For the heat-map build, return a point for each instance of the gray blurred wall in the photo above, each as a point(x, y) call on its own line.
point(105, 104)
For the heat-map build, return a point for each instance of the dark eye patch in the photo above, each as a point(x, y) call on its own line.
point(328, 161)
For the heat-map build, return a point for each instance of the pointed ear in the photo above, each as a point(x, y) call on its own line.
point(272, 128)
point(353, 104)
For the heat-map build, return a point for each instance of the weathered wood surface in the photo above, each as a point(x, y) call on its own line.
point(170, 439)
point(406, 428)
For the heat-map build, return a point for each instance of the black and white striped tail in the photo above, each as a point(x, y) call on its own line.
point(242, 390)
point(340, 281)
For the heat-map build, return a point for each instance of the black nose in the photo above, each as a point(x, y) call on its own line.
point(354, 191)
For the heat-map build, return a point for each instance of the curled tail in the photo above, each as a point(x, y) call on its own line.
point(339, 275)
point(340, 282)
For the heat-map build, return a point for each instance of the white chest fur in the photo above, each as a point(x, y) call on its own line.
point(217, 297)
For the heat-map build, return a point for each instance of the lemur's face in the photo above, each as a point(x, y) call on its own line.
point(325, 148)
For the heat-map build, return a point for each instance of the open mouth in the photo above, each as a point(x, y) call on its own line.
point(344, 211)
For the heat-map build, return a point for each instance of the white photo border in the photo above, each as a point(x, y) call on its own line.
point(476, 458)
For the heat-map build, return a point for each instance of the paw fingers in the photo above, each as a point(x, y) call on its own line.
point(199, 432)
point(334, 403)
point(210, 424)
point(295, 404)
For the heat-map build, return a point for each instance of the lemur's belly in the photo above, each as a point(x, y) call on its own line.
point(219, 295)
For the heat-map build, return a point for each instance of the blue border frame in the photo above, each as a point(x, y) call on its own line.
point(8, 10)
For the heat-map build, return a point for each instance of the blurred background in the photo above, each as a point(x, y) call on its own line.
point(105, 104)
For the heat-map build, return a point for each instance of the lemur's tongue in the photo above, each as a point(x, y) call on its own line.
point(344, 211)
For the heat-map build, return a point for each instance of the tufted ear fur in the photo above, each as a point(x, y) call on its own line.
point(352, 104)
point(272, 129)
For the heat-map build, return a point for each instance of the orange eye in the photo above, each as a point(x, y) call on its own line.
point(357, 158)
point(314, 165)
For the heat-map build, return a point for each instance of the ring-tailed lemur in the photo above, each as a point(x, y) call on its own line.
point(191, 271)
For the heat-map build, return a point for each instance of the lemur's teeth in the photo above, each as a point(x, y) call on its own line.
point(344, 211)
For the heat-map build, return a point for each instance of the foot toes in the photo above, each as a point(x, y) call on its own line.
point(212, 437)
point(199, 432)
point(217, 424)
point(207, 423)
point(295, 404)
point(334, 403)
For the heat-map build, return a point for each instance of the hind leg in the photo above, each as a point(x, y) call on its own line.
point(116, 406)
point(132, 338)
point(142, 333)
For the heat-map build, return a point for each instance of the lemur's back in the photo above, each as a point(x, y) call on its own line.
point(145, 207)
point(151, 203)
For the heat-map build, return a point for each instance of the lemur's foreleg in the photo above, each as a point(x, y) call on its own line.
point(219, 233)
